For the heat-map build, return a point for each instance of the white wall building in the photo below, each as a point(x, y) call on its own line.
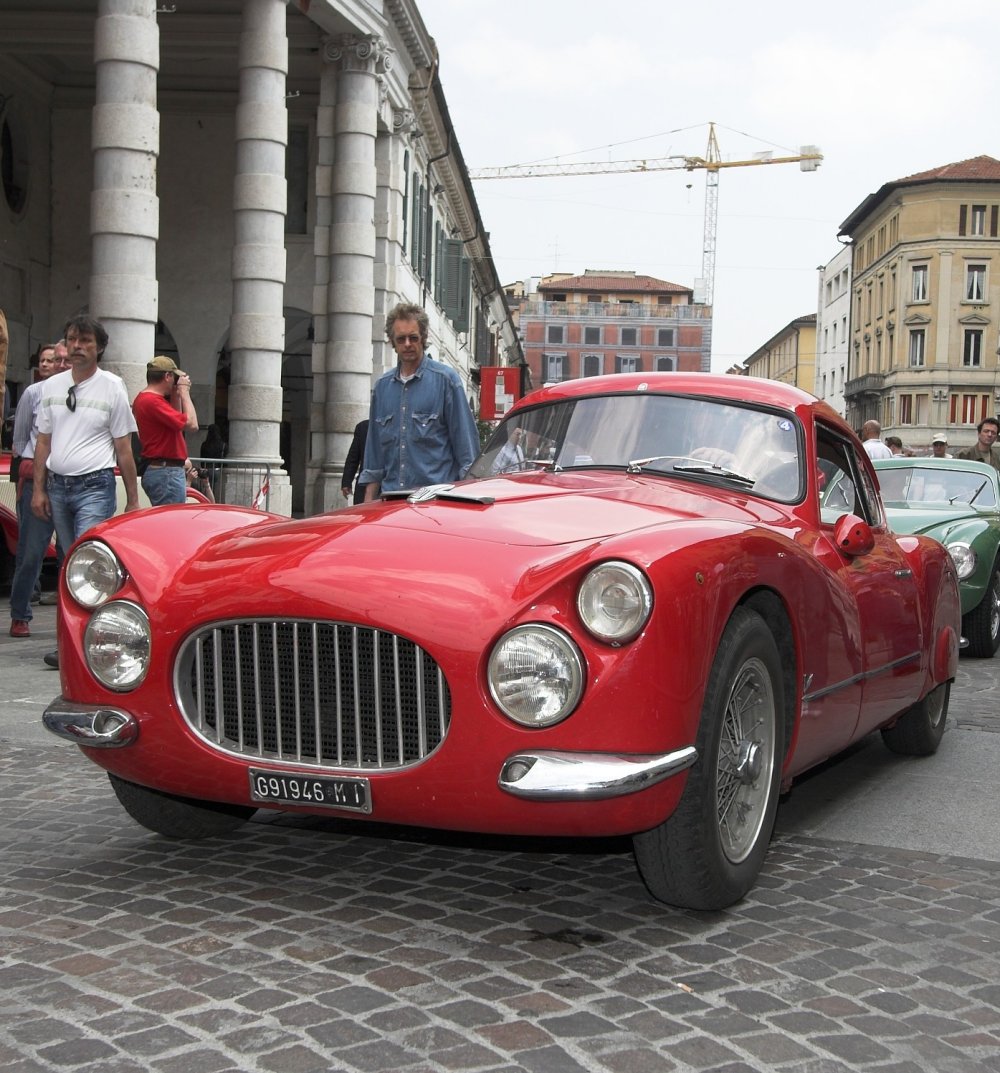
point(247, 186)
point(833, 330)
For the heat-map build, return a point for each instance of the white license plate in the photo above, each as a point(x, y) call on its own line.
point(298, 788)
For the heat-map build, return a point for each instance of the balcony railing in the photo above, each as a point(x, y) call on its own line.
point(616, 310)
point(869, 384)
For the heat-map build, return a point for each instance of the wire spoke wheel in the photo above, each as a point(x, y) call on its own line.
point(708, 853)
point(746, 760)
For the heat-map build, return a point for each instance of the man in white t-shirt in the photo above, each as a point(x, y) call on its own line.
point(871, 431)
point(85, 427)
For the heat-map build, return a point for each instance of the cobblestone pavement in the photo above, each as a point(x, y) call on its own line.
point(300, 945)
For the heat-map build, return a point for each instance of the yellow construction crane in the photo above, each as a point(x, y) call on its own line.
point(808, 159)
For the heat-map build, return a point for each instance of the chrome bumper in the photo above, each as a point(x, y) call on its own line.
point(90, 724)
point(588, 776)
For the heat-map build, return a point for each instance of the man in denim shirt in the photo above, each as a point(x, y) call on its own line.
point(421, 430)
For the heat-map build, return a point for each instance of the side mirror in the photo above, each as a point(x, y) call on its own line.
point(853, 536)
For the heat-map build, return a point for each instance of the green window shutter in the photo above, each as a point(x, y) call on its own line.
point(456, 283)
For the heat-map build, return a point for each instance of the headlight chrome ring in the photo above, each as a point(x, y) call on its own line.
point(117, 645)
point(536, 675)
point(615, 601)
point(93, 574)
point(963, 557)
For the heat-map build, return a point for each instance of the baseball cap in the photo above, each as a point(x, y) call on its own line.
point(163, 363)
point(939, 437)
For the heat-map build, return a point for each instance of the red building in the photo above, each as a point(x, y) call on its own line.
point(610, 322)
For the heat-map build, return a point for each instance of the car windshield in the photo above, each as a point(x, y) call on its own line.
point(697, 438)
point(936, 486)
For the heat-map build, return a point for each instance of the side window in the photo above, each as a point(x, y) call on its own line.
point(843, 482)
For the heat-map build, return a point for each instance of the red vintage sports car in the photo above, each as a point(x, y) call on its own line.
point(657, 600)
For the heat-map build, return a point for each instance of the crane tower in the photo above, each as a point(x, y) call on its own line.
point(808, 159)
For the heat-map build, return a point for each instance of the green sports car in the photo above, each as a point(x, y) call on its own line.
point(957, 503)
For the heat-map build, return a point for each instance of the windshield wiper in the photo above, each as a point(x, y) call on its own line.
point(713, 471)
point(635, 465)
point(978, 490)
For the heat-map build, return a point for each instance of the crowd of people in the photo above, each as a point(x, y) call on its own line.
point(73, 428)
point(985, 449)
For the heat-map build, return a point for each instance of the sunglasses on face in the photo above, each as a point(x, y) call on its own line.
point(71, 399)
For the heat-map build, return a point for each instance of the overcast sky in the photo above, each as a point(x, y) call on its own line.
point(884, 89)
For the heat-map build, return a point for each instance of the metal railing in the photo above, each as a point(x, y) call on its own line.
point(237, 481)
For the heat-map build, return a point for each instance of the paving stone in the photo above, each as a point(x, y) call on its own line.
point(452, 952)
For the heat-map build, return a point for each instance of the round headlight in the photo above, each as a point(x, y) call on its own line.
point(615, 601)
point(964, 559)
point(116, 645)
point(536, 675)
point(93, 574)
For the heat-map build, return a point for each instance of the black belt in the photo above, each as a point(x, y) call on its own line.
point(157, 463)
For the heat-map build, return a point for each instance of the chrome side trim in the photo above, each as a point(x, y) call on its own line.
point(90, 725)
point(557, 776)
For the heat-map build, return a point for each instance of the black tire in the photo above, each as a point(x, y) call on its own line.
point(708, 854)
point(178, 817)
point(920, 729)
point(981, 626)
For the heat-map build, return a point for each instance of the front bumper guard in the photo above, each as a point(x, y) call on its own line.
point(557, 776)
point(94, 726)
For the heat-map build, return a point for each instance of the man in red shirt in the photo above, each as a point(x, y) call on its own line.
point(164, 412)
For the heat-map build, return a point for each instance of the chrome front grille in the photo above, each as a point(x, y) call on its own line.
point(317, 693)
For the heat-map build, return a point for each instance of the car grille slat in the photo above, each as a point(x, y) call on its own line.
point(320, 693)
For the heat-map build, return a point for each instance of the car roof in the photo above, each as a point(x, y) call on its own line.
point(723, 386)
point(929, 462)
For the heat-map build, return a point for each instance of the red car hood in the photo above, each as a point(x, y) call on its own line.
point(510, 539)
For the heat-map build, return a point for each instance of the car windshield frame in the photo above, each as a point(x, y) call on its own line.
point(753, 448)
point(937, 487)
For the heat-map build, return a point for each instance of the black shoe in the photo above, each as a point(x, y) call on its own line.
point(52, 659)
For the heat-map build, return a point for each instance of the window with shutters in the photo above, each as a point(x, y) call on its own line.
point(628, 364)
point(593, 364)
point(456, 286)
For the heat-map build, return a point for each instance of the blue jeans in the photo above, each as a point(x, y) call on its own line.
point(33, 536)
point(79, 503)
point(165, 484)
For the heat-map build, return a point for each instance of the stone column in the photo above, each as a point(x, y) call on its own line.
point(124, 208)
point(350, 286)
point(257, 328)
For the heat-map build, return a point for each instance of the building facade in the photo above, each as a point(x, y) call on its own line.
point(610, 322)
point(833, 313)
point(788, 356)
point(926, 303)
point(247, 186)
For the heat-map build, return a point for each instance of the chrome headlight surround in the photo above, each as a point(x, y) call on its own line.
point(93, 574)
point(615, 601)
point(117, 645)
point(536, 675)
point(963, 557)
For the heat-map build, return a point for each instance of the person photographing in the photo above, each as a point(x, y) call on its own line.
point(164, 412)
